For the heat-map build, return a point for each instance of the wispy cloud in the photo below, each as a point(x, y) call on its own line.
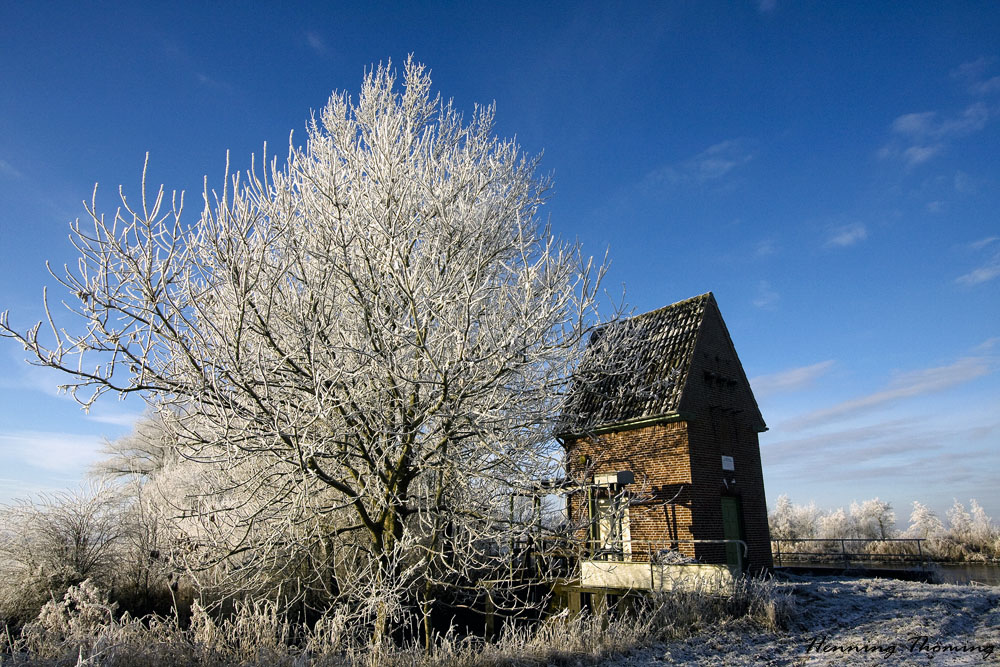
point(989, 268)
point(847, 235)
point(915, 155)
point(982, 243)
point(315, 42)
point(976, 75)
point(765, 248)
point(919, 137)
point(793, 379)
point(766, 296)
point(766, 6)
point(982, 274)
point(834, 444)
point(115, 418)
point(709, 165)
point(51, 451)
point(209, 82)
point(892, 449)
point(964, 183)
point(988, 344)
point(906, 385)
point(7, 169)
point(931, 125)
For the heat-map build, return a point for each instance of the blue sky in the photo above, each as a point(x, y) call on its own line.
point(829, 170)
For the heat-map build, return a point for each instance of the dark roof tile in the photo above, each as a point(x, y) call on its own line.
point(635, 368)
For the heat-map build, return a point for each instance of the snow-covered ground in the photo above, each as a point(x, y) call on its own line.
point(844, 621)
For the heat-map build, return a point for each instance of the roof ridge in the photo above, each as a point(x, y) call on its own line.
point(706, 297)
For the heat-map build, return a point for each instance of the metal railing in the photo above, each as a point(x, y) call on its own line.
point(834, 551)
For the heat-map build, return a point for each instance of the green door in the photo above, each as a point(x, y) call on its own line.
point(732, 529)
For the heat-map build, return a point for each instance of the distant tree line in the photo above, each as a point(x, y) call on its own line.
point(965, 535)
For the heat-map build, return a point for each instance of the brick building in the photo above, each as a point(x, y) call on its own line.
point(661, 437)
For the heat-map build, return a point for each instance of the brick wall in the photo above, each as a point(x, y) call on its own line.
point(659, 458)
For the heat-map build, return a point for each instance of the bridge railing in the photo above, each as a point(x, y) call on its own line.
point(848, 551)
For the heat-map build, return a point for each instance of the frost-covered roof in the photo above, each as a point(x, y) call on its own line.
point(636, 368)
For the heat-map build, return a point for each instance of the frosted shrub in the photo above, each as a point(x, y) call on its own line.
point(76, 618)
point(53, 541)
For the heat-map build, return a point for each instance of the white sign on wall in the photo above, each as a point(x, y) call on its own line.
point(728, 463)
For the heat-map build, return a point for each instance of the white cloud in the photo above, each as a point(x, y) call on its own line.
point(792, 379)
point(315, 42)
point(848, 235)
point(831, 447)
point(765, 6)
point(989, 269)
point(975, 75)
point(991, 85)
point(905, 385)
point(927, 126)
point(988, 344)
point(901, 450)
point(915, 155)
point(974, 69)
point(765, 248)
point(921, 136)
point(914, 123)
point(981, 274)
point(718, 160)
point(766, 296)
point(7, 169)
point(982, 243)
point(964, 183)
point(711, 164)
point(209, 82)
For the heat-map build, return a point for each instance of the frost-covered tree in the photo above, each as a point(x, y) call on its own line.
point(789, 521)
point(140, 454)
point(366, 347)
point(924, 523)
point(874, 519)
point(982, 530)
point(959, 523)
point(836, 524)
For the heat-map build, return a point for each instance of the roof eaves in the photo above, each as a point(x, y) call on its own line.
point(629, 425)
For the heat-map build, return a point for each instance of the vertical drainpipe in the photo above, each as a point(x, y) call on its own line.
point(592, 526)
